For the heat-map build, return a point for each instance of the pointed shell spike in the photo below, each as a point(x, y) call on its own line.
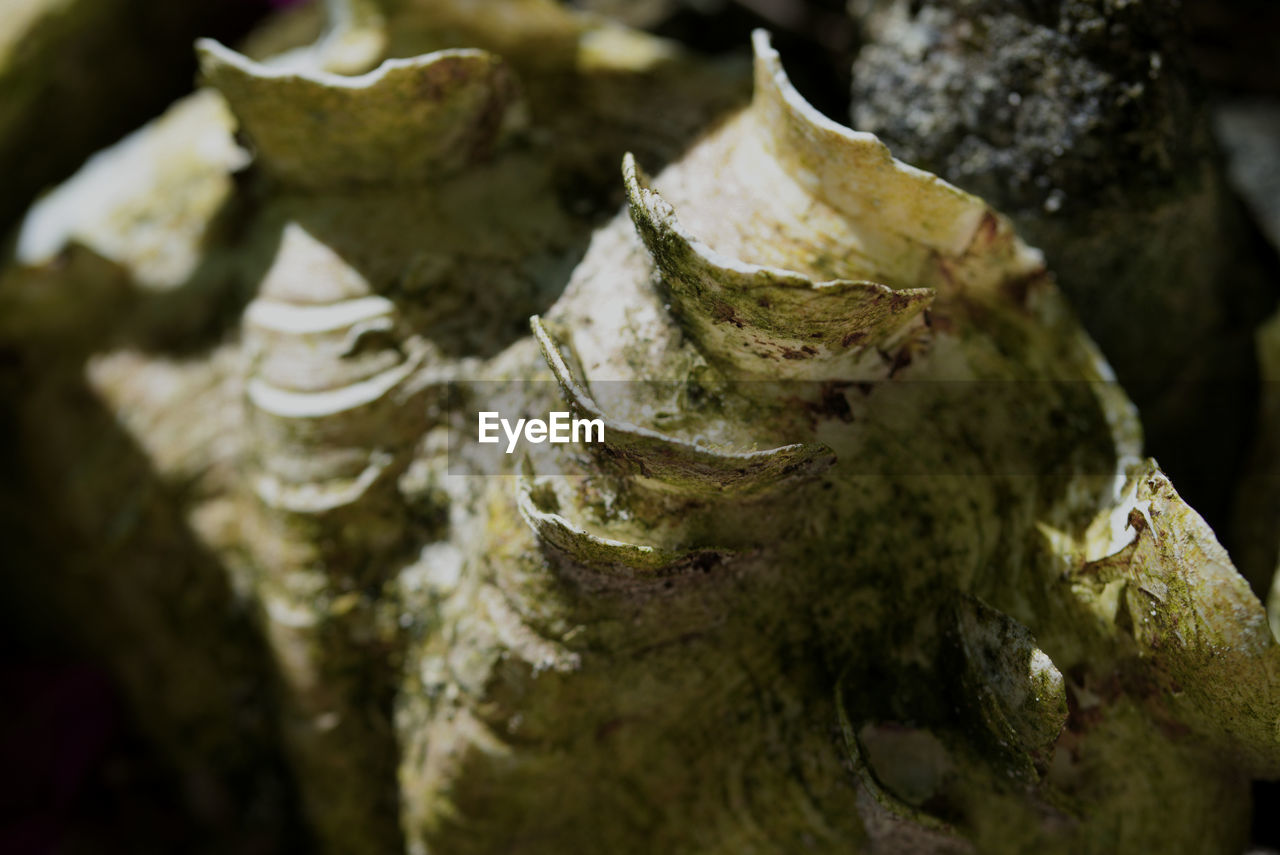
point(763, 320)
point(1195, 620)
point(853, 171)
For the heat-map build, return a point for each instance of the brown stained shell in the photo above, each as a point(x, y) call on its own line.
point(409, 120)
point(761, 320)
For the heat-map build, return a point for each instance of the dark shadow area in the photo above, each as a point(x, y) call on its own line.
point(79, 775)
point(1234, 43)
point(146, 703)
point(816, 38)
point(1266, 818)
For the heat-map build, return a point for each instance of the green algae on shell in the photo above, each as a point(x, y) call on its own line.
point(763, 316)
point(676, 652)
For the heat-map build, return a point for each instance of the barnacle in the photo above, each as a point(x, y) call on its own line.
point(868, 558)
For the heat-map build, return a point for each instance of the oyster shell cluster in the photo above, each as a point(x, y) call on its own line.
point(869, 559)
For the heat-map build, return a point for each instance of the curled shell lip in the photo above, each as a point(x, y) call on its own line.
point(281, 317)
point(597, 551)
point(320, 497)
point(757, 319)
point(212, 51)
point(877, 240)
point(676, 463)
point(854, 171)
point(327, 403)
point(411, 119)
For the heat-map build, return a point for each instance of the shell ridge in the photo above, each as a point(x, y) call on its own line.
point(728, 305)
point(682, 463)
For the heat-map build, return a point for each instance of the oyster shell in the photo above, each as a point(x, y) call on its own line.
point(996, 632)
point(867, 560)
point(353, 269)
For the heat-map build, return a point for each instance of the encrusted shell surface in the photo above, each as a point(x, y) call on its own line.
point(957, 540)
point(868, 559)
point(307, 308)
